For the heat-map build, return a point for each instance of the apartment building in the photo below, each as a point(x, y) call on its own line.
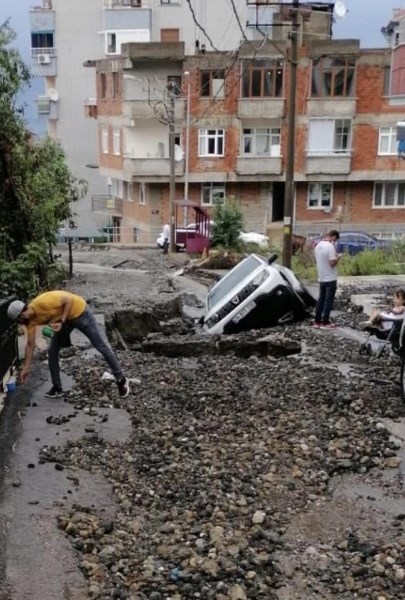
point(347, 169)
point(65, 35)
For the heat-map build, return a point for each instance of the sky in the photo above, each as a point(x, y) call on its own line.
point(363, 20)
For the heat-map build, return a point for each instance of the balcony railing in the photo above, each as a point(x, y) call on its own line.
point(126, 3)
point(37, 51)
point(107, 204)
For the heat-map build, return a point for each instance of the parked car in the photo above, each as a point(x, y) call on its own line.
point(256, 293)
point(354, 242)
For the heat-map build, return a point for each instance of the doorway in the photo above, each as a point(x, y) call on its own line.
point(278, 201)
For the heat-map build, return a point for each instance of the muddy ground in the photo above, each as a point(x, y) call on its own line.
point(241, 477)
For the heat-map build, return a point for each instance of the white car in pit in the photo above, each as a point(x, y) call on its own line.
point(256, 293)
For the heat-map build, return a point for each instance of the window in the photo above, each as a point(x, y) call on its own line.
point(333, 76)
point(212, 193)
point(118, 188)
point(142, 197)
point(42, 40)
point(387, 141)
point(116, 142)
point(387, 81)
point(114, 85)
point(329, 136)
point(174, 81)
point(104, 140)
point(261, 142)
point(111, 43)
point(320, 195)
point(170, 35)
point(262, 78)
point(212, 84)
point(211, 142)
point(389, 195)
point(128, 191)
point(103, 86)
point(169, 1)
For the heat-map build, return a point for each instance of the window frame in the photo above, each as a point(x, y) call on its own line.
point(141, 195)
point(272, 132)
point(105, 141)
point(251, 68)
point(204, 138)
point(103, 85)
point(116, 141)
point(115, 85)
point(384, 185)
point(349, 86)
point(211, 186)
point(335, 150)
point(392, 137)
point(212, 76)
point(319, 205)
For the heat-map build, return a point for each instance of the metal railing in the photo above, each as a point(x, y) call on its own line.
point(36, 51)
point(111, 234)
point(126, 3)
point(8, 340)
point(107, 204)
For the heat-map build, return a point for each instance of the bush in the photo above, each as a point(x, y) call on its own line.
point(369, 262)
point(228, 224)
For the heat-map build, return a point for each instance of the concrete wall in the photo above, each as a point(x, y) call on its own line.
point(76, 43)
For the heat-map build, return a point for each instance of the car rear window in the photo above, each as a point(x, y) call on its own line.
point(232, 280)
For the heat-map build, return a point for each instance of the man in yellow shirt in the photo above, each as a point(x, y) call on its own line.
point(62, 309)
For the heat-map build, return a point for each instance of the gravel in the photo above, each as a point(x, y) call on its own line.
point(227, 457)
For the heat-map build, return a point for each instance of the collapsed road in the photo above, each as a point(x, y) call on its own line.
point(227, 476)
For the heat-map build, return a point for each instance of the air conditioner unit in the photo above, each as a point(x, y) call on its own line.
point(44, 59)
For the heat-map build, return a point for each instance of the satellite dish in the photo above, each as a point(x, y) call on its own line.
point(339, 10)
point(53, 94)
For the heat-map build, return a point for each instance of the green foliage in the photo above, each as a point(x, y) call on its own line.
point(369, 262)
point(36, 186)
point(228, 223)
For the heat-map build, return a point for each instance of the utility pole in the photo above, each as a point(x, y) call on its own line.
point(290, 163)
point(172, 185)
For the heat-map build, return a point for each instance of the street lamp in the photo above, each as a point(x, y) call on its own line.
point(187, 159)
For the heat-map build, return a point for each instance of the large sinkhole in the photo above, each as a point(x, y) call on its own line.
point(166, 329)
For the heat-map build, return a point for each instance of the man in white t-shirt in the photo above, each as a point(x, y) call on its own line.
point(327, 259)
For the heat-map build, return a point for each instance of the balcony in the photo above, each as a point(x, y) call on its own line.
point(261, 108)
point(90, 108)
point(147, 52)
point(126, 4)
point(127, 15)
point(107, 204)
point(141, 109)
point(43, 62)
point(258, 165)
point(334, 164)
point(149, 167)
point(332, 107)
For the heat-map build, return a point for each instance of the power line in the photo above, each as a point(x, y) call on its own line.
point(200, 27)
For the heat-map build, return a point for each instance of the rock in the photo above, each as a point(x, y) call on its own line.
point(237, 593)
point(258, 517)
point(392, 462)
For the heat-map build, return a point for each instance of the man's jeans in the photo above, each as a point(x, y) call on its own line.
point(327, 292)
point(88, 325)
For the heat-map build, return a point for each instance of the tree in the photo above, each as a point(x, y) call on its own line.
point(228, 223)
point(36, 186)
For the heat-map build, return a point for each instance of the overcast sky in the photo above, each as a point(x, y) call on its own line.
point(363, 20)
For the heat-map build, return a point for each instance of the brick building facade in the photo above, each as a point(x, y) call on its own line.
point(347, 169)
